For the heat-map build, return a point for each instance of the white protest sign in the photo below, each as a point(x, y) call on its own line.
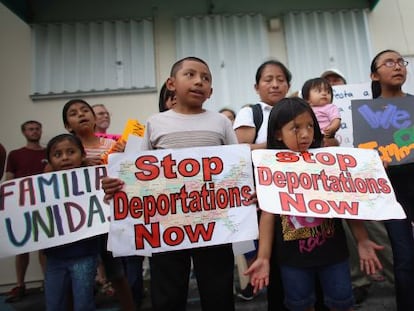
point(330, 182)
point(182, 198)
point(342, 97)
point(51, 209)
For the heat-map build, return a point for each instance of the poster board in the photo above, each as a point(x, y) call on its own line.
point(385, 125)
point(342, 98)
point(331, 182)
point(51, 209)
point(182, 198)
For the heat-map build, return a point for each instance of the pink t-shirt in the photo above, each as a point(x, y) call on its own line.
point(110, 136)
point(325, 114)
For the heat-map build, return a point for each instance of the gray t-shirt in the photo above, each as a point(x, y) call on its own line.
point(170, 130)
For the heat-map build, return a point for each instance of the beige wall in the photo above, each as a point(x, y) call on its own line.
point(15, 64)
point(17, 107)
point(389, 23)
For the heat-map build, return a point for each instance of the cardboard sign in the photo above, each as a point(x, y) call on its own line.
point(182, 198)
point(342, 97)
point(386, 125)
point(330, 182)
point(51, 209)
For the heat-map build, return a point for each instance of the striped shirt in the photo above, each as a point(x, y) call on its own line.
point(104, 145)
point(169, 130)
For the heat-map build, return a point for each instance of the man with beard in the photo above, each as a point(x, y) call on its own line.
point(102, 122)
point(26, 161)
point(103, 118)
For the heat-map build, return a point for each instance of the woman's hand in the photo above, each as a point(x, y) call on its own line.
point(329, 133)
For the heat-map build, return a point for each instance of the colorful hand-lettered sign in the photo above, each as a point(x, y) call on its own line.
point(51, 209)
point(332, 182)
point(386, 125)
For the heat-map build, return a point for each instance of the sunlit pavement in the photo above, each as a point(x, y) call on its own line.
point(381, 297)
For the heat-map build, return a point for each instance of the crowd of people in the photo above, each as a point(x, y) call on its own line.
point(326, 278)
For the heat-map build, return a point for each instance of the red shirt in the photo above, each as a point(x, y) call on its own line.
point(25, 162)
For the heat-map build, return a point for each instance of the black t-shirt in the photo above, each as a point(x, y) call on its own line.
point(305, 247)
point(401, 177)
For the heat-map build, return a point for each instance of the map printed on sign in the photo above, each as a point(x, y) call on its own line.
point(182, 198)
point(329, 182)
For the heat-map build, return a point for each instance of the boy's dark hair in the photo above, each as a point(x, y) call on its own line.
point(23, 126)
point(177, 65)
point(62, 137)
point(285, 111)
point(229, 110)
point(316, 83)
point(375, 85)
point(69, 104)
point(165, 94)
point(286, 71)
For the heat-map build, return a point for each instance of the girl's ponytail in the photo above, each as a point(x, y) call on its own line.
point(375, 89)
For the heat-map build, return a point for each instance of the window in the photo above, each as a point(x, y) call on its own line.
point(109, 56)
point(317, 41)
point(233, 46)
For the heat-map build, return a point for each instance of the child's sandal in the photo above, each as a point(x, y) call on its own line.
point(377, 277)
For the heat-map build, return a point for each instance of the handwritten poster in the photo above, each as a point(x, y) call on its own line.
point(332, 182)
point(51, 209)
point(182, 198)
point(342, 97)
point(386, 125)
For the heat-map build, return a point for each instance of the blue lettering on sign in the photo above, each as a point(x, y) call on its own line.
point(343, 94)
point(390, 116)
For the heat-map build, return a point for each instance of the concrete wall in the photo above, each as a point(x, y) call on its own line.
point(389, 24)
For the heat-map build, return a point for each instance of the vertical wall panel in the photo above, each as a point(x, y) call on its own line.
point(233, 46)
point(39, 66)
point(317, 41)
point(93, 56)
point(68, 59)
point(109, 55)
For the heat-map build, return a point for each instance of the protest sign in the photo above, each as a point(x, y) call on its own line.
point(342, 97)
point(51, 209)
point(332, 182)
point(182, 198)
point(132, 129)
point(386, 125)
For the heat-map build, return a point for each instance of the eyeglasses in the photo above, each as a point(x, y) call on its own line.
point(391, 63)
